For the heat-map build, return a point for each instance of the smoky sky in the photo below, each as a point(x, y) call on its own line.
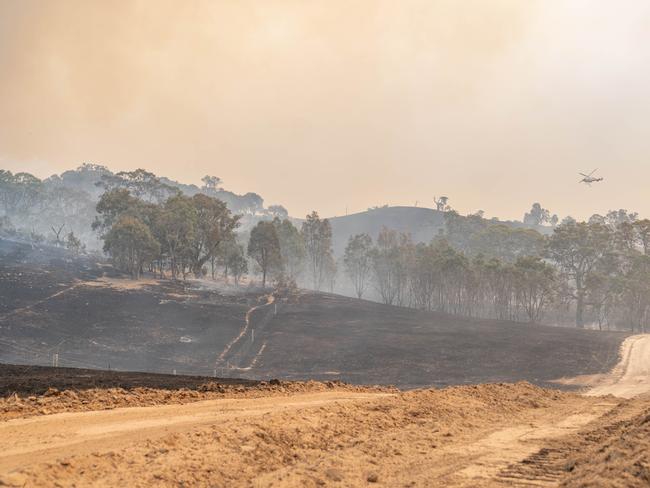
point(336, 104)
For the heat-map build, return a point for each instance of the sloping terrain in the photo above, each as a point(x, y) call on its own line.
point(329, 336)
point(79, 313)
point(421, 223)
point(90, 317)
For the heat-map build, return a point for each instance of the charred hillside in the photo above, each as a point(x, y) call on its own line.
point(80, 313)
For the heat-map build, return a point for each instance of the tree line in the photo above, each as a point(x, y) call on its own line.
point(36, 209)
point(598, 271)
point(197, 236)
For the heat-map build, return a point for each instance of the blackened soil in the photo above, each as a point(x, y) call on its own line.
point(329, 336)
point(48, 308)
point(36, 380)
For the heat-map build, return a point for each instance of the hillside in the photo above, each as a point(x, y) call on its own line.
point(423, 224)
point(54, 304)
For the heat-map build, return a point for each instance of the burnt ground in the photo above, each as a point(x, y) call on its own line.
point(330, 336)
point(47, 307)
point(50, 304)
point(37, 380)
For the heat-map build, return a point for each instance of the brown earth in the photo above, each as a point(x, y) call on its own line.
point(314, 434)
point(308, 439)
point(32, 390)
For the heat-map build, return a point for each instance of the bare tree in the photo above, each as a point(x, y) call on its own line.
point(57, 234)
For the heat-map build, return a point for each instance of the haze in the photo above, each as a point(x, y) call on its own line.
point(332, 105)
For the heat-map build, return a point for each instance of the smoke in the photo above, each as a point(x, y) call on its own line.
point(336, 104)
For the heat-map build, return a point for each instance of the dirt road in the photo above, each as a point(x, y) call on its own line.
point(463, 436)
point(47, 438)
point(631, 377)
point(485, 435)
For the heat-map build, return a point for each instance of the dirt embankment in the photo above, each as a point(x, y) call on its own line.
point(615, 454)
point(338, 438)
point(191, 431)
point(27, 391)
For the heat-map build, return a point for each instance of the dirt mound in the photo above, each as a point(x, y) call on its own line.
point(76, 400)
point(620, 457)
point(411, 437)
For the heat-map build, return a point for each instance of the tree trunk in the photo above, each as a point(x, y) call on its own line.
point(580, 306)
point(580, 302)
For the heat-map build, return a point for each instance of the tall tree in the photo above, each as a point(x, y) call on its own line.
point(357, 261)
point(442, 204)
point(535, 285)
point(233, 260)
point(577, 248)
point(537, 215)
point(19, 192)
point(130, 243)
point(642, 228)
point(210, 184)
point(214, 224)
point(264, 248)
point(278, 211)
point(292, 248)
point(330, 272)
point(634, 286)
point(390, 265)
point(176, 230)
point(140, 183)
point(317, 236)
point(112, 204)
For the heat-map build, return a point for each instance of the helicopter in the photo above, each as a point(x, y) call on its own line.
point(590, 178)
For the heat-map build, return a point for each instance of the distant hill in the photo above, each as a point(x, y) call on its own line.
point(423, 224)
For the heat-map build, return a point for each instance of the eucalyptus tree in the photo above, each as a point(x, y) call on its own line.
point(292, 248)
point(131, 244)
point(317, 236)
point(357, 261)
point(535, 285)
point(176, 229)
point(578, 248)
point(264, 248)
point(214, 224)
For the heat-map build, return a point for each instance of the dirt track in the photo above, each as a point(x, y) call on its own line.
point(631, 377)
point(421, 438)
point(44, 439)
point(486, 435)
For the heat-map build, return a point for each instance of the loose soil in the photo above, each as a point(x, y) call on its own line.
point(334, 435)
